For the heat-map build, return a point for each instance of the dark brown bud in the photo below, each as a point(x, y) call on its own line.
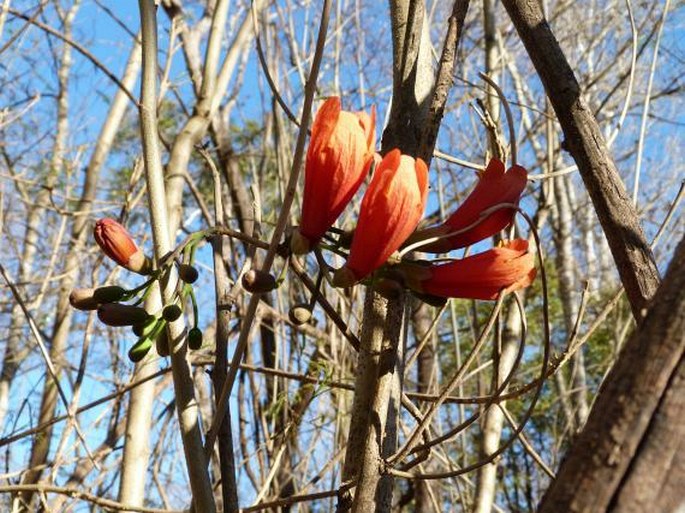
point(109, 294)
point(116, 314)
point(256, 281)
point(188, 273)
point(300, 314)
point(83, 299)
point(171, 312)
point(195, 338)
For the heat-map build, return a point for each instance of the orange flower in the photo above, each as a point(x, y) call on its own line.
point(482, 276)
point(339, 157)
point(390, 211)
point(494, 187)
point(118, 245)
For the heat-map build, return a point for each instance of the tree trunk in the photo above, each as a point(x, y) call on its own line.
point(625, 459)
point(586, 144)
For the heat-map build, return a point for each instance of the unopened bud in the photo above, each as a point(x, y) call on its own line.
point(256, 281)
point(116, 314)
point(140, 349)
point(83, 299)
point(171, 312)
point(162, 343)
point(109, 294)
point(117, 244)
point(344, 277)
point(188, 273)
point(300, 314)
point(195, 338)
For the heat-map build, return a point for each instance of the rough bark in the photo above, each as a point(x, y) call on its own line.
point(584, 140)
point(625, 427)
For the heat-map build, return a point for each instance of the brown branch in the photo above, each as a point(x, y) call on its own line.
point(586, 144)
point(444, 80)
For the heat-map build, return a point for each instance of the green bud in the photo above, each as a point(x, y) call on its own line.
point(162, 343)
point(146, 327)
point(188, 273)
point(300, 314)
point(109, 294)
point(195, 338)
point(171, 312)
point(140, 349)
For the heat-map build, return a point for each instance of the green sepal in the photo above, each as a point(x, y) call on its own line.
point(140, 349)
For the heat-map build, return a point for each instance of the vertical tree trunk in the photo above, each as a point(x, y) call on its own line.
point(62, 324)
point(606, 467)
point(568, 291)
point(584, 140)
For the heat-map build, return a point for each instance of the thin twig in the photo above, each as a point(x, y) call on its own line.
point(310, 89)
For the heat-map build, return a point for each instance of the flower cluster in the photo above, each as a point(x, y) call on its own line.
point(110, 301)
point(339, 157)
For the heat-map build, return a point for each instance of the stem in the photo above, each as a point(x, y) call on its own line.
point(203, 497)
point(310, 89)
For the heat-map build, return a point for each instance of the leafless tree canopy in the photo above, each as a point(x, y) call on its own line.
point(267, 388)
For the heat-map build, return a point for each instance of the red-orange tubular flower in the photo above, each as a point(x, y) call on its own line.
point(481, 276)
point(495, 186)
point(117, 244)
point(340, 154)
point(390, 211)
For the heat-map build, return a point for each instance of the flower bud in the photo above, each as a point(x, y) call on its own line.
point(109, 294)
point(116, 314)
point(300, 314)
point(187, 273)
point(140, 349)
point(257, 281)
point(118, 245)
point(171, 312)
point(195, 338)
point(162, 343)
point(83, 299)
